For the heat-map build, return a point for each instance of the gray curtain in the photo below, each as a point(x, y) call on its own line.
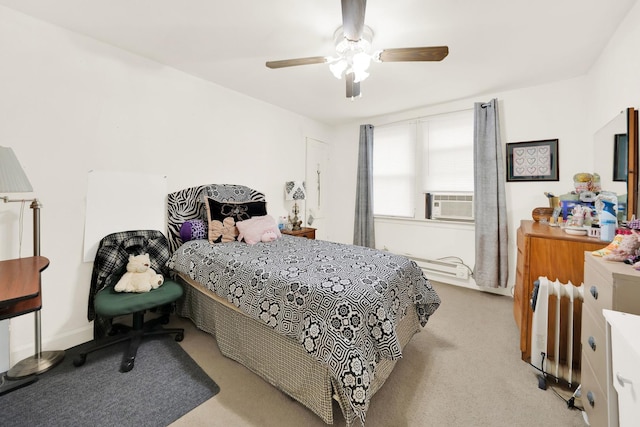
point(363, 231)
point(491, 267)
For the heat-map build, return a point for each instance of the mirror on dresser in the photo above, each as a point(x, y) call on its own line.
point(611, 161)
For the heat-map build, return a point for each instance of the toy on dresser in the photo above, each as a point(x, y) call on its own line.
point(624, 248)
point(580, 215)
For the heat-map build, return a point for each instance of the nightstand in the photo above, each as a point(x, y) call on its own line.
point(308, 232)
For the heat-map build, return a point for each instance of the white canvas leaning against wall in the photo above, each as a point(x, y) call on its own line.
point(121, 201)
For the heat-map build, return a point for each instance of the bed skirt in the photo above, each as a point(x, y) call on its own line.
point(278, 359)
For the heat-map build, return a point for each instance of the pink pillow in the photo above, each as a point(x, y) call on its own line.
point(258, 229)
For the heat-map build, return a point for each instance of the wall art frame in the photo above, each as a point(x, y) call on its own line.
point(533, 161)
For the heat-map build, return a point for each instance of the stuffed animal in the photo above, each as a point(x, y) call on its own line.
point(627, 248)
point(258, 229)
point(140, 277)
point(269, 236)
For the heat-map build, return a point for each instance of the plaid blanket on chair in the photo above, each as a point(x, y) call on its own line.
point(111, 263)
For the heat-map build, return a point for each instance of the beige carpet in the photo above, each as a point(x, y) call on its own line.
point(463, 369)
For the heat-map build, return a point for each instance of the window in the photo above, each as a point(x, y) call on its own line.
point(431, 154)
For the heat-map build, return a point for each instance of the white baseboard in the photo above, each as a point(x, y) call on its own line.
point(59, 342)
point(465, 283)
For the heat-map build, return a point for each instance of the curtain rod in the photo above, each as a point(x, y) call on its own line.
point(422, 117)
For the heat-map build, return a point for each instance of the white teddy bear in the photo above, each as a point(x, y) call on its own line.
point(140, 277)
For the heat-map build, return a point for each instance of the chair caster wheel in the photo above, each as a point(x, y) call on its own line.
point(127, 365)
point(179, 336)
point(116, 329)
point(79, 361)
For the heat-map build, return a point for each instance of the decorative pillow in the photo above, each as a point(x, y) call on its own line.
point(258, 229)
point(193, 229)
point(238, 211)
point(224, 231)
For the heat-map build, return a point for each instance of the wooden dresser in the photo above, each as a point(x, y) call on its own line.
point(546, 251)
point(608, 285)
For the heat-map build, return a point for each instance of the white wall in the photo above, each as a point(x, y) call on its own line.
point(614, 80)
point(70, 104)
point(571, 110)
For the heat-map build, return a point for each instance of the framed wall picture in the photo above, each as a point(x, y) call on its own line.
point(620, 157)
point(533, 161)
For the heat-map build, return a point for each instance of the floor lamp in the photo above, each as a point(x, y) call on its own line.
point(14, 180)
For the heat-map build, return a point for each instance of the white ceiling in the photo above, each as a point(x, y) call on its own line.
point(494, 45)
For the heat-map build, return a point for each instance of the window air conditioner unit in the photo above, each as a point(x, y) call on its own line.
point(450, 206)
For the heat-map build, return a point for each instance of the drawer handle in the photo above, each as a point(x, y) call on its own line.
point(594, 292)
point(622, 379)
point(592, 343)
point(590, 398)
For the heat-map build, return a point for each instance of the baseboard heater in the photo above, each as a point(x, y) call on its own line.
point(554, 328)
point(447, 268)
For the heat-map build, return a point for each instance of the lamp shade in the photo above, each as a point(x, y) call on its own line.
point(12, 177)
point(295, 190)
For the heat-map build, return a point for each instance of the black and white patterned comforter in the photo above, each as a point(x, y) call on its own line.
point(341, 302)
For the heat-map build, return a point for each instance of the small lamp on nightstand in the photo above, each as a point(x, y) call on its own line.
point(295, 190)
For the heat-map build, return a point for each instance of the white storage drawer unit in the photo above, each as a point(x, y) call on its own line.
point(623, 337)
point(613, 286)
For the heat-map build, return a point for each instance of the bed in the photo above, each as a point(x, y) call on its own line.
point(319, 320)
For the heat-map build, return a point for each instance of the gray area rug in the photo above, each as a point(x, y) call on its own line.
point(164, 384)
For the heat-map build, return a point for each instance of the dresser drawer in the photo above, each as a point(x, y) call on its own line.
point(598, 292)
point(593, 331)
point(594, 400)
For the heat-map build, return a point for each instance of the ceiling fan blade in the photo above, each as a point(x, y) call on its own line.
point(353, 87)
point(434, 53)
point(353, 18)
point(298, 61)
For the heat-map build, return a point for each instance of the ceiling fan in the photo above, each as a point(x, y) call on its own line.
point(353, 42)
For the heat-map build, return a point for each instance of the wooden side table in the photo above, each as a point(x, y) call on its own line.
point(20, 290)
point(20, 294)
point(308, 232)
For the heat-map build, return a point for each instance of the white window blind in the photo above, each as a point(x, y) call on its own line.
point(447, 152)
point(394, 170)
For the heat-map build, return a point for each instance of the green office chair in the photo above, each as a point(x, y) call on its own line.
point(105, 303)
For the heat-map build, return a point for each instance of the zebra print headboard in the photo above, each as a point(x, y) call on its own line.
point(186, 204)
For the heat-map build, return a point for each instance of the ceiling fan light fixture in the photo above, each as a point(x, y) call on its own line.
point(352, 56)
point(359, 75)
point(361, 61)
point(357, 66)
point(338, 67)
point(342, 43)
